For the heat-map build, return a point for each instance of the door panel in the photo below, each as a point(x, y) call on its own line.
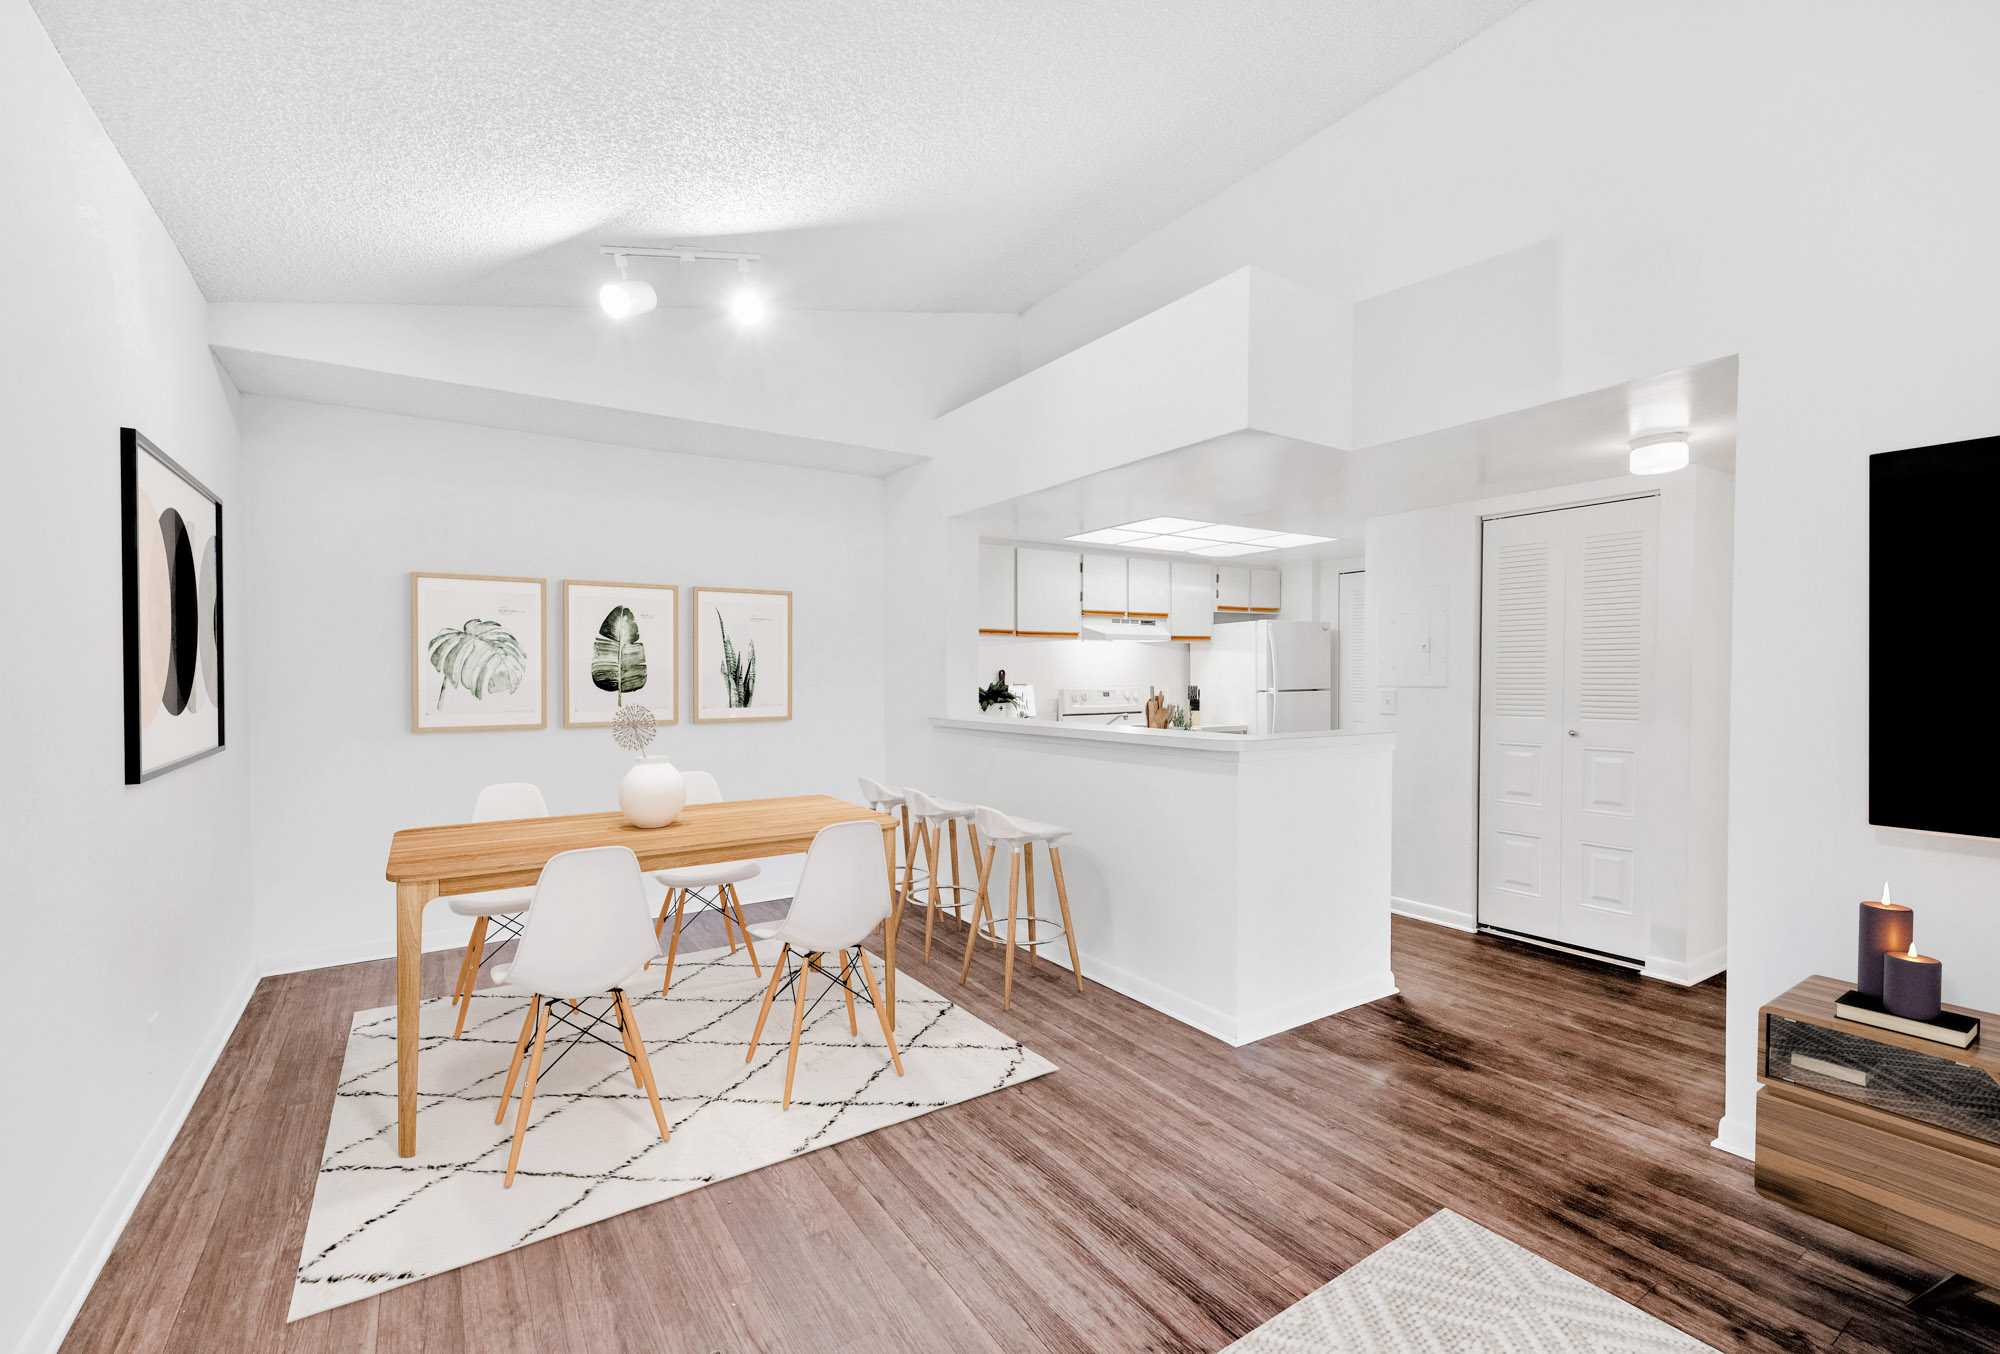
point(1566, 658)
point(1298, 656)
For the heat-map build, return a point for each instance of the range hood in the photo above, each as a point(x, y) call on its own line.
point(1126, 628)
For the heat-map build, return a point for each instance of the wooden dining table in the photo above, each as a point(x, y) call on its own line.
point(429, 862)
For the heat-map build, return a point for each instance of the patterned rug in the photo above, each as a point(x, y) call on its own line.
point(592, 1151)
point(1448, 1284)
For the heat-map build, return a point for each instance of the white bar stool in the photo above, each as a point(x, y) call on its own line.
point(1000, 832)
point(935, 817)
point(882, 799)
point(708, 887)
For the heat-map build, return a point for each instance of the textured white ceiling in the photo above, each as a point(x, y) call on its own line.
point(885, 154)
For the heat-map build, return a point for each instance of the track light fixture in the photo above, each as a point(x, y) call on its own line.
point(625, 297)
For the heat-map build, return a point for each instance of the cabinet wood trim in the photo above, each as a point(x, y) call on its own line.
point(1052, 634)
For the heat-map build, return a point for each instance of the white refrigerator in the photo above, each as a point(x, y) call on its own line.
point(1266, 677)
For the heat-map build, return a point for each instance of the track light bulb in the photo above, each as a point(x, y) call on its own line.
point(747, 306)
point(625, 298)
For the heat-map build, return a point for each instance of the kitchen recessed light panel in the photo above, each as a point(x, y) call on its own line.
point(1108, 536)
point(1180, 543)
point(1161, 526)
point(1229, 533)
point(1222, 548)
point(1286, 539)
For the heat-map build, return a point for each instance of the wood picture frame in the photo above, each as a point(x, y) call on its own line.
point(586, 617)
point(760, 620)
point(491, 677)
point(170, 565)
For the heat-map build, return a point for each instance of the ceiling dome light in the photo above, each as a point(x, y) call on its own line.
point(1659, 454)
point(625, 298)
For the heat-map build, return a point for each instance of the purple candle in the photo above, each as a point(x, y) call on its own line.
point(1911, 985)
point(1886, 928)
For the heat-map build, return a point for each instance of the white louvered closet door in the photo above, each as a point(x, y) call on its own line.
point(1566, 721)
point(1357, 683)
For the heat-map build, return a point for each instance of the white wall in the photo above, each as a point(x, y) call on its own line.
point(129, 949)
point(1051, 664)
point(347, 503)
point(1806, 183)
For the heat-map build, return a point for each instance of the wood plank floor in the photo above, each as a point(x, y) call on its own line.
point(1161, 1192)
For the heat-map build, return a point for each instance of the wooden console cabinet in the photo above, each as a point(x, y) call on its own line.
point(1893, 1137)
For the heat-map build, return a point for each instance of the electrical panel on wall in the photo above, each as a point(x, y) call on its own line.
point(1413, 629)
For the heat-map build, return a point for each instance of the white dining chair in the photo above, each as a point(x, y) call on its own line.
point(842, 895)
point(938, 819)
point(496, 908)
point(1018, 838)
point(706, 887)
point(585, 936)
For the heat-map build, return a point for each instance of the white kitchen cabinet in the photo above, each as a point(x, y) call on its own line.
point(1048, 596)
point(1232, 589)
point(1104, 585)
point(996, 589)
point(1149, 588)
point(1265, 589)
point(1191, 613)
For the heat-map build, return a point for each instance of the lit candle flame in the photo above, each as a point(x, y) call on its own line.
point(1885, 893)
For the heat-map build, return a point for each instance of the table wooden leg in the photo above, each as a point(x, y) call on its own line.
point(411, 899)
point(895, 916)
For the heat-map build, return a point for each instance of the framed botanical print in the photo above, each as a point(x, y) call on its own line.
point(171, 560)
point(742, 655)
point(478, 658)
point(621, 646)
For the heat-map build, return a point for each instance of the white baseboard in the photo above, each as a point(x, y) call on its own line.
point(449, 932)
point(1236, 1031)
point(1277, 1019)
point(1432, 913)
point(65, 1299)
point(1737, 1137)
point(1697, 970)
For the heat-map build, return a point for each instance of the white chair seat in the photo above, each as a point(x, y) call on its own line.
point(501, 972)
point(491, 903)
point(942, 810)
point(1007, 828)
point(708, 876)
point(766, 930)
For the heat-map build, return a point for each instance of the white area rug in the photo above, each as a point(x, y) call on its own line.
point(1448, 1284)
point(592, 1150)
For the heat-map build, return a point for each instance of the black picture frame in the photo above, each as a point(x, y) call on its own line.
point(131, 445)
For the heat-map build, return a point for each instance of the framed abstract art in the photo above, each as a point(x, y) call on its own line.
point(621, 646)
point(742, 655)
point(171, 547)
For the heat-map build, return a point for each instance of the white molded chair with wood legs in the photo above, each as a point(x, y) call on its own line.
point(588, 932)
point(938, 820)
point(842, 895)
point(1018, 836)
point(711, 887)
point(499, 908)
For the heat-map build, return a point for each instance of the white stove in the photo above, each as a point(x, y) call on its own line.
point(1101, 705)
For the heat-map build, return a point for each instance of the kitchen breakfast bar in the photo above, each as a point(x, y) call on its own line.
point(1237, 882)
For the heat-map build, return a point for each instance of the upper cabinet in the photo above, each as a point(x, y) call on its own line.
point(1191, 614)
point(1048, 592)
point(1265, 591)
point(996, 589)
point(1148, 588)
point(1104, 585)
point(1232, 589)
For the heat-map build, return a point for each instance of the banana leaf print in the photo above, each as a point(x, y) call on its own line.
point(617, 658)
point(739, 673)
point(479, 657)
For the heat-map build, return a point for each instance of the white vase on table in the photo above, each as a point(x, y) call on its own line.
point(652, 793)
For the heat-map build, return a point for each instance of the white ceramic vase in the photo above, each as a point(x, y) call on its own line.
point(652, 793)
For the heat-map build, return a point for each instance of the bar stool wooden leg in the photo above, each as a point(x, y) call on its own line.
point(674, 945)
point(1062, 900)
point(930, 835)
point(798, 1026)
point(736, 901)
point(846, 971)
point(520, 1050)
point(770, 994)
point(1028, 875)
point(980, 905)
point(957, 898)
point(868, 976)
point(1013, 898)
point(528, 1090)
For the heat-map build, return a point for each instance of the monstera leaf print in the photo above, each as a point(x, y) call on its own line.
point(480, 657)
point(739, 669)
point(617, 658)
